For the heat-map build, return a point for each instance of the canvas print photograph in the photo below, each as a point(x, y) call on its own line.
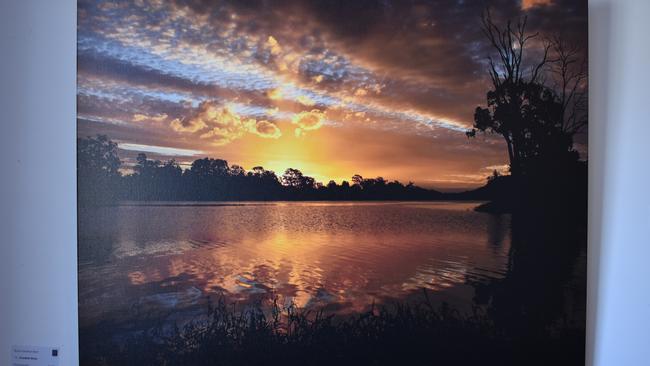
point(329, 182)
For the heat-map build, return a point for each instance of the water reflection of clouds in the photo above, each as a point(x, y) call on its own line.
point(306, 254)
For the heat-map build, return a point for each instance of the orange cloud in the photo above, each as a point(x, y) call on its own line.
point(138, 117)
point(307, 121)
point(267, 129)
point(526, 4)
point(273, 46)
point(360, 92)
point(225, 125)
point(305, 100)
point(221, 125)
point(192, 125)
point(275, 94)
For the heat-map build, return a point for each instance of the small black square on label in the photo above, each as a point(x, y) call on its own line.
point(55, 352)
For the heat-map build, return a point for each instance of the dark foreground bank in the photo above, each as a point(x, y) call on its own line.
point(397, 334)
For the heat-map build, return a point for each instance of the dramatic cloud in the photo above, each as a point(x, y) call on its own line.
point(226, 77)
point(221, 125)
point(196, 122)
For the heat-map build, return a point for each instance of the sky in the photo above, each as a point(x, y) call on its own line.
point(331, 87)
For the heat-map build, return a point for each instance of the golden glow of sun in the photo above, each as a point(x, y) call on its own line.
point(308, 153)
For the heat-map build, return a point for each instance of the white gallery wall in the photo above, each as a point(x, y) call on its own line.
point(38, 260)
point(619, 152)
point(38, 251)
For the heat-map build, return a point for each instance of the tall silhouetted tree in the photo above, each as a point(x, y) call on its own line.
point(145, 168)
point(97, 156)
point(294, 178)
point(537, 121)
point(237, 171)
point(98, 174)
point(208, 167)
point(357, 180)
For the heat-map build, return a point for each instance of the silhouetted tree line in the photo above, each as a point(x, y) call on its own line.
point(536, 106)
point(100, 181)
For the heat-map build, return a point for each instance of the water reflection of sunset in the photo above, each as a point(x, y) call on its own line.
point(308, 254)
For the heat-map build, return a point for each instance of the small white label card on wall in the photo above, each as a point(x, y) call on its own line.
point(34, 356)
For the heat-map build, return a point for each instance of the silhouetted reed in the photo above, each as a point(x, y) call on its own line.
point(398, 333)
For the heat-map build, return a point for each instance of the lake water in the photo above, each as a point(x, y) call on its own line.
point(163, 260)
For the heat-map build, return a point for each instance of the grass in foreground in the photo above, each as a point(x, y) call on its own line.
point(398, 334)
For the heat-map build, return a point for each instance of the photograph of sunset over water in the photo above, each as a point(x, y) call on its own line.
point(332, 182)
